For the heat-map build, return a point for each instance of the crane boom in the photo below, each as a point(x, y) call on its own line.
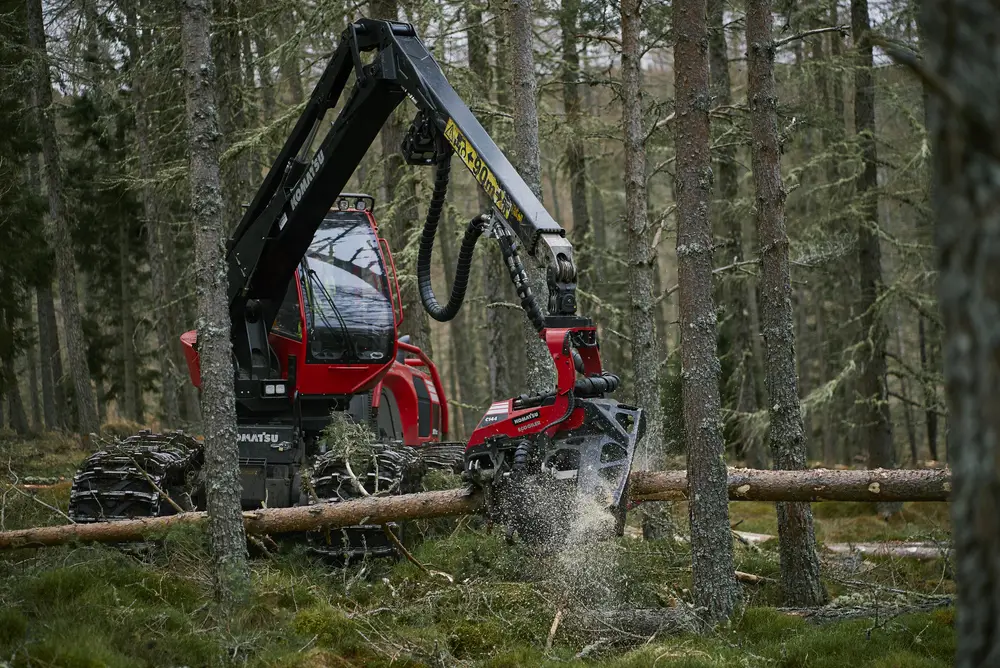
point(302, 185)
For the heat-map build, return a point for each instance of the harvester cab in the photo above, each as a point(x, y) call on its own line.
point(314, 308)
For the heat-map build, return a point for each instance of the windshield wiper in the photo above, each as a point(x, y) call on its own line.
point(314, 280)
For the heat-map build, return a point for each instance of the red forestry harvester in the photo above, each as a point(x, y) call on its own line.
point(315, 308)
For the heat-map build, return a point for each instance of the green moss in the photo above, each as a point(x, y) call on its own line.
point(330, 626)
point(13, 627)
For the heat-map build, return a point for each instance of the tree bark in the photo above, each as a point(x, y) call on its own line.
point(45, 335)
point(734, 292)
point(51, 358)
point(130, 383)
point(288, 60)
point(214, 347)
point(32, 359)
point(156, 236)
point(641, 256)
point(15, 406)
point(714, 583)
point(576, 152)
point(874, 407)
point(930, 393)
point(58, 227)
point(800, 575)
point(539, 373)
point(964, 118)
point(743, 485)
point(495, 277)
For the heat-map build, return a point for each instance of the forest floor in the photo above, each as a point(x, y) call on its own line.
point(103, 606)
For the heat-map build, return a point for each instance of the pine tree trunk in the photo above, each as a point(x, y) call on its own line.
point(214, 346)
point(539, 373)
point(288, 63)
point(58, 227)
point(576, 152)
point(960, 49)
point(713, 580)
point(268, 100)
point(495, 278)
point(734, 293)
point(15, 406)
point(800, 575)
point(875, 419)
point(130, 385)
point(836, 49)
point(930, 394)
point(36, 409)
point(229, 96)
point(50, 415)
point(156, 235)
point(51, 360)
point(641, 257)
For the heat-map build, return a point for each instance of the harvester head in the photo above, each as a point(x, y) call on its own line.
point(536, 453)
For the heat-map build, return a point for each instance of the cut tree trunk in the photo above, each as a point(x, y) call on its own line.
point(872, 485)
point(222, 485)
point(58, 227)
point(744, 485)
point(714, 584)
point(641, 256)
point(800, 577)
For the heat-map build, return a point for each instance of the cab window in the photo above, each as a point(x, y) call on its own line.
point(289, 321)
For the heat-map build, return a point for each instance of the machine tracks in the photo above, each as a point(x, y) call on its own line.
point(385, 469)
point(132, 478)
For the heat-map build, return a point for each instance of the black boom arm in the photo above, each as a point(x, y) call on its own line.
point(301, 186)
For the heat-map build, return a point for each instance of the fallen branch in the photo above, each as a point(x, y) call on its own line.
point(744, 484)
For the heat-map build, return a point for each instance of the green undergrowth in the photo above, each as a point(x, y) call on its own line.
point(478, 601)
point(152, 606)
point(49, 455)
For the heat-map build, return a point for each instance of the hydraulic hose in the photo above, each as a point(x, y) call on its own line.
point(474, 230)
point(520, 279)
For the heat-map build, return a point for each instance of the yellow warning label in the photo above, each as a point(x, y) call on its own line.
point(482, 172)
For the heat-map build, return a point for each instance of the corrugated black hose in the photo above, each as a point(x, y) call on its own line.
point(474, 230)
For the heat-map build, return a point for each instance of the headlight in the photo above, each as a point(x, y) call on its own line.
point(279, 388)
point(269, 389)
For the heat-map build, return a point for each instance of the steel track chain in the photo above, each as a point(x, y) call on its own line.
point(121, 481)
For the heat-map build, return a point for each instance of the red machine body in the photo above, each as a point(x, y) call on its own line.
point(406, 390)
point(512, 420)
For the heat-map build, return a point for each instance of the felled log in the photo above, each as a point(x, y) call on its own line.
point(744, 485)
point(370, 510)
point(809, 485)
point(894, 549)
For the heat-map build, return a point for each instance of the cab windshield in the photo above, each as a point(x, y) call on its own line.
point(348, 308)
